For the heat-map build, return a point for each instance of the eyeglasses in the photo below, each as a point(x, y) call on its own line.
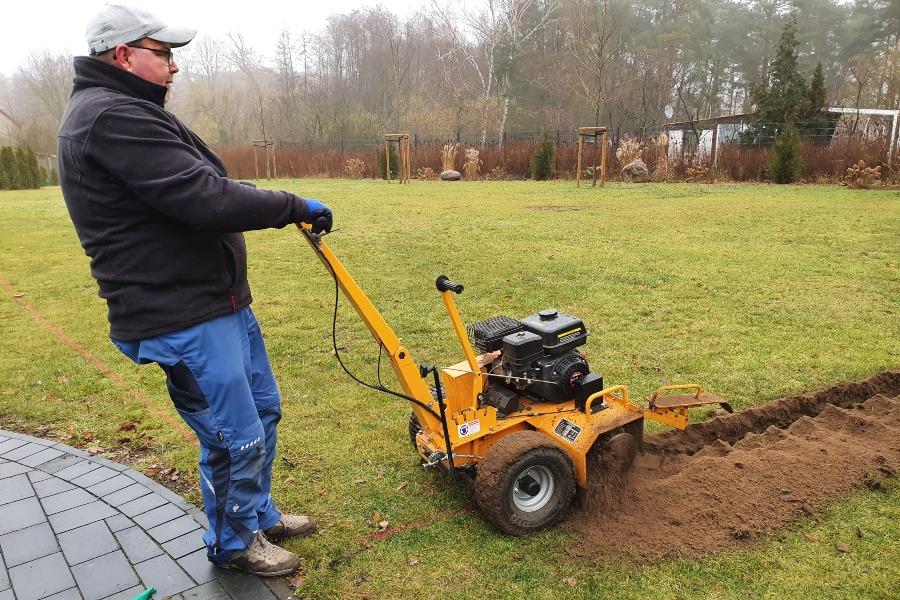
point(166, 54)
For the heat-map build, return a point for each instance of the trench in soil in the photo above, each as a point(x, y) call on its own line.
point(720, 484)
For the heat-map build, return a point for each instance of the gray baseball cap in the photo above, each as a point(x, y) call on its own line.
point(117, 24)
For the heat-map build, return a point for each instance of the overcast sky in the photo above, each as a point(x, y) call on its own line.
point(28, 25)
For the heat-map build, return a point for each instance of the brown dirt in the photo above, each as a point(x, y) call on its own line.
point(718, 485)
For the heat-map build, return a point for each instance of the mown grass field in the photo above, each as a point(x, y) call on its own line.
point(754, 291)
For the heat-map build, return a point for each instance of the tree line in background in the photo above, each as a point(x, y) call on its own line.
point(19, 170)
point(484, 68)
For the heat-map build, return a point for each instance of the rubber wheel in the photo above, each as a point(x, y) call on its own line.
point(525, 483)
point(414, 429)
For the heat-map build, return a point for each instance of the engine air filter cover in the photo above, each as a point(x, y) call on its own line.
point(559, 331)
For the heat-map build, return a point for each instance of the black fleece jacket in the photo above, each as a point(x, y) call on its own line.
point(154, 208)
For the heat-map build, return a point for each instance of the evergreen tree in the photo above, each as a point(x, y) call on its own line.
point(33, 170)
point(542, 160)
point(781, 99)
point(816, 125)
point(785, 163)
point(18, 173)
point(5, 168)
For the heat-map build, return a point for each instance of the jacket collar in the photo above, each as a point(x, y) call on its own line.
point(91, 72)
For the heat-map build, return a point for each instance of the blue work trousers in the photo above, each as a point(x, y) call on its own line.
point(220, 380)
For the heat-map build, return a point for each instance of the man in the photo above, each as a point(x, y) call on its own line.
point(160, 220)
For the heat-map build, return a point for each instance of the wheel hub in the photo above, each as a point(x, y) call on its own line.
point(533, 488)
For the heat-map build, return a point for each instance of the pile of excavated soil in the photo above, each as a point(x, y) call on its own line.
point(719, 484)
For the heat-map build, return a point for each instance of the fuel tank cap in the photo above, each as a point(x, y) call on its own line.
point(548, 314)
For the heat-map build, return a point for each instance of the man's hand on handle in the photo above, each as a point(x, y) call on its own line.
point(318, 215)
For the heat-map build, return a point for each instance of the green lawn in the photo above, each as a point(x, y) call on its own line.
point(754, 291)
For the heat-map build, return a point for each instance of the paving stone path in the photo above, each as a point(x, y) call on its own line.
point(75, 526)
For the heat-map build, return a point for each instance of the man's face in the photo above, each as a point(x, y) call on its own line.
point(146, 59)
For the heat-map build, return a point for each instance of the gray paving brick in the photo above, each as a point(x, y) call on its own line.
point(87, 542)
point(21, 514)
point(105, 462)
point(158, 516)
point(198, 567)
point(28, 544)
point(124, 495)
point(96, 476)
point(65, 501)
point(165, 575)
point(11, 469)
point(58, 464)
point(142, 504)
point(52, 486)
point(7, 595)
point(39, 458)
point(185, 544)
point(10, 445)
point(74, 451)
point(41, 578)
point(4, 576)
point(173, 529)
point(3, 438)
point(110, 485)
point(76, 470)
point(76, 517)
point(208, 591)
point(279, 587)
point(159, 488)
point(137, 545)
point(23, 451)
point(37, 476)
point(69, 594)
point(128, 594)
point(104, 576)
point(15, 488)
point(28, 438)
point(199, 516)
point(118, 522)
point(244, 586)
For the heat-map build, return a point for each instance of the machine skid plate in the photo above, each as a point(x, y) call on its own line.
point(687, 400)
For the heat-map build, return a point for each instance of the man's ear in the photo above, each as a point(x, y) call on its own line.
point(122, 57)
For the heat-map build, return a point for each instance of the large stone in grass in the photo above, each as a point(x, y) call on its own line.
point(636, 171)
point(450, 175)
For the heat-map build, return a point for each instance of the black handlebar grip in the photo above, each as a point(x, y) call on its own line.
point(444, 284)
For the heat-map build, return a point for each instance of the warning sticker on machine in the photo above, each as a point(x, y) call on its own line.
point(469, 428)
point(567, 430)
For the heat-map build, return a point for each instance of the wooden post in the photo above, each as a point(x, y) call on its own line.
point(387, 159)
point(578, 167)
point(599, 135)
point(603, 159)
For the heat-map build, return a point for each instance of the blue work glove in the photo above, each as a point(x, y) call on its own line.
point(318, 215)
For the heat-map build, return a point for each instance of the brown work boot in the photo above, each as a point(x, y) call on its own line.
point(263, 558)
point(291, 526)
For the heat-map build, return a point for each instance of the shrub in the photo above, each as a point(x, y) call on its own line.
point(6, 167)
point(784, 166)
point(355, 168)
point(859, 175)
point(542, 161)
point(472, 166)
point(395, 162)
point(424, 173)
point(497, 174)
point(448, 157)
point(627, 151)
point(54, 177)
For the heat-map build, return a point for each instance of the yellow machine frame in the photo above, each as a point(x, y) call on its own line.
point(473, 429)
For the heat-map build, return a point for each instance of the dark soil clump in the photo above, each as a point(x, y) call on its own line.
point(719, 485)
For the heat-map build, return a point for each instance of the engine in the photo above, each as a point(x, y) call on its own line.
point(538, 359)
